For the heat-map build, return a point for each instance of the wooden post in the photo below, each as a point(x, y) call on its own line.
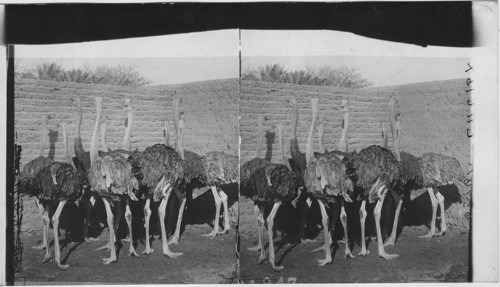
point(345, 126)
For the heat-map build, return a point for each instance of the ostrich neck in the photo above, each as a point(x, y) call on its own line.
point(259, 138)
point(128, 128)
point(282, 148)
point(180, 148)
point(345, 127)
point(104, 143)
point(66, 147)
point(43, 133)
point(309, 146)
point(78, 118)
point(321, 131)
point(295, 120)
point(93, 149)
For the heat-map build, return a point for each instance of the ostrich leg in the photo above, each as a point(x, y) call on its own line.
point(440, 199)
point(175, 238)
point(376, 213)
point(343, 220)
point(224, 198)
point(260, 222)
point(434, 202)
point(55, 225)
point(167, 190)
point(218, 202)
point(128, 218)
point(109, 214)
point(362, 218)
point(390, 241)
point(326, 230)
point(45, 222)
point(270, 224)
point(147, 216)
point(116, 224)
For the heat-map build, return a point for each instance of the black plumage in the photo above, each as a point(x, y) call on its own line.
point(160, 162)
point(284, 184)
point(440, 170)
point(246, 172)
point(193, 168)
point(373, 164)
point(27, 182)
point(220, 168)
point(68, 183)
point(333, 172)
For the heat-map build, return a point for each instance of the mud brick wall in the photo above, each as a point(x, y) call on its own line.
point(434, 120)
point(211, 114)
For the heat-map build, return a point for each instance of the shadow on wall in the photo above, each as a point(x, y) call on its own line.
point(53, 135)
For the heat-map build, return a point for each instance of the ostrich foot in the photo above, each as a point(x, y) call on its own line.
point(90, 239)
point(211, 234)
point(306, 241)
point(107, 261)
point(390, 241)
point(341, 241)
point(104, 247)
point(255, 248)
point(172, 254)
point(47, 258)
point(323, 262)
point(277, 267)
point(262, 258)
point(321, 248)
point(440, 233)
point(148, 251)
point(173, 240)
point(388, 256)
point(348, 254)
point(428, 235)
point(225, 231)
point(126, 239)
point(62, 266)
point(132, 253)
point(39, 247)
point(364, 252)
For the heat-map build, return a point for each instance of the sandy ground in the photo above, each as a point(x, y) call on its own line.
point(204, 260)
point(439, 259)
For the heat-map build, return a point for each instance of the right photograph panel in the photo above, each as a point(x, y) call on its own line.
point(353, 160)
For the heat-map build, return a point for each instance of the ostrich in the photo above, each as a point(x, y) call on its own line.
point(256, 163)
point(58, 182)
point(27, 182)
point(220, 168)
point(272, 184)
point(439, 170)
point(111, 177)
point(194, 171)
point(82, 162)
point(326, 180)
point(411, 177)
point(378, 170)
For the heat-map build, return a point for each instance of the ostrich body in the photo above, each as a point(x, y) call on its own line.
point(28, 184)
point(111, 177)
point(59, 182)
point(377, 171)
point(272, 184)
point(220, 168)
point(439, 170)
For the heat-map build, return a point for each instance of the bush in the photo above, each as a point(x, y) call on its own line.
point(103, 74)
point(342, 77)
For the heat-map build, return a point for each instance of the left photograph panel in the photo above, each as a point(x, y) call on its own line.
point(127, 160)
